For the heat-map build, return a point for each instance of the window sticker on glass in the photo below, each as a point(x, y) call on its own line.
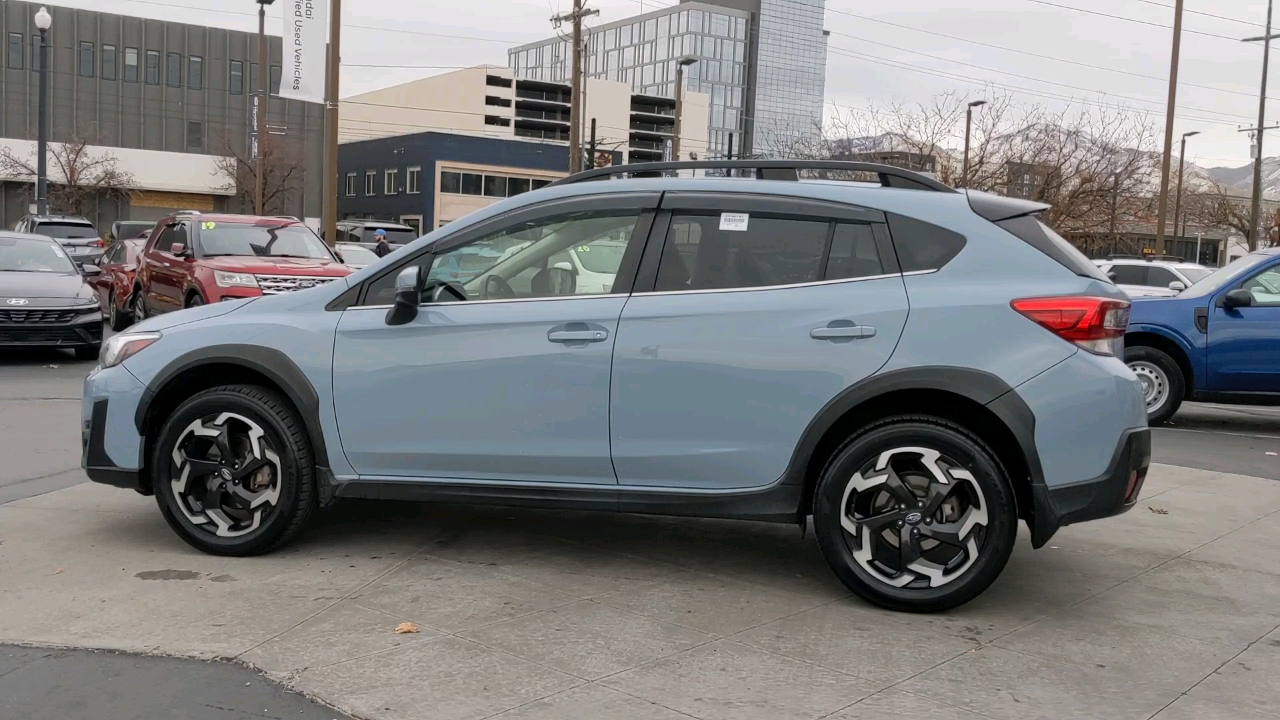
point(736, 222)
point(208, 225)
point(584, 248)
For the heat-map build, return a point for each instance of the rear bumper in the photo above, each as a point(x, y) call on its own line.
point(1112, 493)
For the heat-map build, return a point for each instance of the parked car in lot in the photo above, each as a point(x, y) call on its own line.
point(1152, 278)
point(196, 259)
point(128, 230)
point(754, 358)
point(1217, 341)
point(113, 279)
point(76, 235)
point(44, 300)
point(362, 231)
point(355, 255)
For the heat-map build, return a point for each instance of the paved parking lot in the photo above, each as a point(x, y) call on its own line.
point(1170, 611)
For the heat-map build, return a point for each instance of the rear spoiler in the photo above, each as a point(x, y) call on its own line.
point(998, 207)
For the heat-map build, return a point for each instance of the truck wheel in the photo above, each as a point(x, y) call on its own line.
point(233, 471)
point(915, 513)
point(1163, 386)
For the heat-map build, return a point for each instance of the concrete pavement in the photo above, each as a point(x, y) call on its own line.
point(1170, 611)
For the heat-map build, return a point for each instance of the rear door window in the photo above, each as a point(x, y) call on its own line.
point(922, 246)
point(854, 253)
point(1160, 277)
point(703, 252)
point(1129, 274)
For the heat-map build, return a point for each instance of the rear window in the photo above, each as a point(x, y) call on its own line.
point(395, 236)
point(1039, 236)
point(921, 245)
point(66, 230)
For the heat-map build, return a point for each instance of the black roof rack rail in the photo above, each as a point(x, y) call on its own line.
point(888, 175)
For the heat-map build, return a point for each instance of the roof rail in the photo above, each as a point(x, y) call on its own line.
point(888, 175)
point(187, 212)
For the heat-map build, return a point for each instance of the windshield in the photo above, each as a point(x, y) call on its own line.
point(66, 230)
point(259, 241)
point(22, 255)
point(601, 257)
point(395, 236)
point(127, 230)
point(1195, 274)
point(356, 254)
point(1223, 275)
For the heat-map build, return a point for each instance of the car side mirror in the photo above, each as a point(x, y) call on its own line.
point(562, 265)
point(1111, 276)
point(178, 249)
point(90, 270)
point(1237, 298)
point(408, 292)
point(1177, 286)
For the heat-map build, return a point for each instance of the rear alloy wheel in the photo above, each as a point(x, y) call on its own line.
point(232, 470)
point(1163, 385)
point(116, 318)
point(915, 514)
point(139, 305)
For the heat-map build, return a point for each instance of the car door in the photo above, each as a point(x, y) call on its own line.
point(512, 383)
point(1244, 342)
point(166, 272)
point(749, 315)
point(1160, 277)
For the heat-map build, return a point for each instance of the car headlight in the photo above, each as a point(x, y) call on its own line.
point(234, 279)
point(119, 348)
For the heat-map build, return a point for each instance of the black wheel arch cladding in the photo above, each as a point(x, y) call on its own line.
point(270, 363)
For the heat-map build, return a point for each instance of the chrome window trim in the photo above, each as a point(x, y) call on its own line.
point(815, 283)
point(494, 302)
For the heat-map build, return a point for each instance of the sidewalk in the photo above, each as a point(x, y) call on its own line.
point(538, 614)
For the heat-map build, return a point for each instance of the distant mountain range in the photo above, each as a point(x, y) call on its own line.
point(1239, 180)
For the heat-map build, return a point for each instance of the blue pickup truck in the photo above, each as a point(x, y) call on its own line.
point(1216, 341)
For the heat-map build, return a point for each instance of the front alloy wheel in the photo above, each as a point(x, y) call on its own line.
point(915, 513)
point(233, 471)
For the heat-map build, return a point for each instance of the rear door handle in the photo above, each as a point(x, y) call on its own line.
point(838, 330)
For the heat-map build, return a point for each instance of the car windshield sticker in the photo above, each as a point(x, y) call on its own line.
point(208, 225)
point(584, 248)
point(736, 222)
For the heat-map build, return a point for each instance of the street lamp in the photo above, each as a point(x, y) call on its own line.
point(260, 106)
point(681, 63)
point(1182, 163)
point(968, 124)
point(43, 21)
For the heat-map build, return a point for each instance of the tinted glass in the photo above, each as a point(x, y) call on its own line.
point(356, 254)
point(15, 51)
point(450, 182)
point(153, 67)
point(237, 77)
point(515, 186)
point(472, 184)
point(108, 62)
point(130, 229)
point(173, 73)
point(698, 255)
point(253, 240)
point(36, 256)
point(921, 245)
point(395, 236)
point(1129, 274)
point(495, 186)
point(853, 253)
point(1265, 287)
point(1160, 277)
point(195, 73)
point(86, 59)
point(131, 65)
point(66, 231)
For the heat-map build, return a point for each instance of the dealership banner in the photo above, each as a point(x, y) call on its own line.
point(305, 38)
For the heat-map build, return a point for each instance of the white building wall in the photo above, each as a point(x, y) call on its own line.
point(150, 169)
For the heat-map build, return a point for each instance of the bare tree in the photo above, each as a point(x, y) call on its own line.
point(282, 169)
point(80, 175)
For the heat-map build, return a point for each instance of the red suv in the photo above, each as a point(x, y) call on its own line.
point(192, 259)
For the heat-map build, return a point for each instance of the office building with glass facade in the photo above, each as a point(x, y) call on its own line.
point(762, 63)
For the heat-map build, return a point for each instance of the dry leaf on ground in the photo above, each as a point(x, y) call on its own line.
point(1158, 511)
point(406, 627)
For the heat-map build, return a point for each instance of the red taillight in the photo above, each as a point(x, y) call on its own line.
point(97, 243)
point(1096, 324)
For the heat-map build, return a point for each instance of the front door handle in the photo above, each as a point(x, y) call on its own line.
point(845, 330)
point(577, 334)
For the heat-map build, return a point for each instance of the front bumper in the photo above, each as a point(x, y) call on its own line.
point(111, 449)
point(1114, 492)
point(84, 329)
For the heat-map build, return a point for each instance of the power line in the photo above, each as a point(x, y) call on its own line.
point(1038, 55)
point(1250, 23)
point(1129, 19)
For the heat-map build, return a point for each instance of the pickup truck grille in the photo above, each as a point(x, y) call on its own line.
point(277, 284)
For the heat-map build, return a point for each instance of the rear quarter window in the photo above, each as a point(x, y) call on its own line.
point(921, 245)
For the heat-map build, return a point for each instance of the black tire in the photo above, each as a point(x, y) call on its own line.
point(1155, 368)
point(904, 589)
point(90, 352)
point(117, 319)
point(139, 305)
point(194, 300)
point(283, 434)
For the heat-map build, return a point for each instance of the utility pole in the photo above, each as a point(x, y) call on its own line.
point(1256, 204)
point(968, 125)
point(1168, 127)
point(591, 158)
point(1115, 200)
point(43, 22)
point(681, 63)
point(575, 81)
point(329, 202)
point(260, 106)
point(1182, 164)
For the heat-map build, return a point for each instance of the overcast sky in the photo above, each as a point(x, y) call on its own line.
point(432, 36)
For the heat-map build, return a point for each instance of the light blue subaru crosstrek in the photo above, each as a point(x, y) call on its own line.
point(916, 368)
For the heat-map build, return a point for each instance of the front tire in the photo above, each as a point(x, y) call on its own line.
point(916, 514)
point(116, 318)
point(195, 300)
point(1163, 385)
point(139, 305)
point(233, 471)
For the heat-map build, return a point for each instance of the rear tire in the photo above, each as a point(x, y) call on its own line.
point(195, 300)
point(117, 319)
point(139, 305)
point(1163, 385)
point(916, 514)
point(233, 471)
